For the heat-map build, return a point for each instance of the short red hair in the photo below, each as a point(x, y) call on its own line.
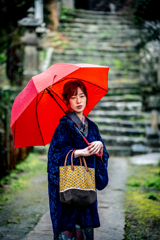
point(70, 89)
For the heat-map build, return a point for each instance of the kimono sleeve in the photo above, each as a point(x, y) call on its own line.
point(101, 171)
point(59, 147)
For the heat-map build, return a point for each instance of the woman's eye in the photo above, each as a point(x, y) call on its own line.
point(82, 95)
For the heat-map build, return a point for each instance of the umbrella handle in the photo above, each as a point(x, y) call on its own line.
point(98, 155)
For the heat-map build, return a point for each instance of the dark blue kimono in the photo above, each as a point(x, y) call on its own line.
point(67, 137)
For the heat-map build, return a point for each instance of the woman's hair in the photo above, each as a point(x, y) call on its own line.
point(70, 89)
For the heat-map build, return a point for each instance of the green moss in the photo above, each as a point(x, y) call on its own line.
point(132, 118)
point(78, 50)
point(142, 203)
point(19, 177)
point(117, 63)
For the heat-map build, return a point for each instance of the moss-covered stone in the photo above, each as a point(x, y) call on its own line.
point(142, 203)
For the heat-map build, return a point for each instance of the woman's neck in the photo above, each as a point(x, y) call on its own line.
point(80, 115)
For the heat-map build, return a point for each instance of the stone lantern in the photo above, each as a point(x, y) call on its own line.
point(31, 42)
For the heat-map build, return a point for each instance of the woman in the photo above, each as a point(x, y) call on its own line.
point(70, 222)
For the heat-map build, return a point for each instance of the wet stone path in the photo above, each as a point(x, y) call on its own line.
point(110, 207)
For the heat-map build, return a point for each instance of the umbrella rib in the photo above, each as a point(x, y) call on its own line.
point(57, 95)
point(40, 97)
point(38, 120)
point(55, 99)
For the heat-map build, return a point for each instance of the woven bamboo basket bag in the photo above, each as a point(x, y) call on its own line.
point(77, 183)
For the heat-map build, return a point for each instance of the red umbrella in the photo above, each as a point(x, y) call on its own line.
point(39, 106)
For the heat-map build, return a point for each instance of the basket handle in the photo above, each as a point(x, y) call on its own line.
point(72, 166)
point(65, 161)
point(84, 161)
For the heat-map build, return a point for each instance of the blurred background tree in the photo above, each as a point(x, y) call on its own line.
point(10, 13)
point(146, 16)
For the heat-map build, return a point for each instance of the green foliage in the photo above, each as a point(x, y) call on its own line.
point(145, 10)
point(154, 181)
point(2, 57)
point(133, 183)
point(66, 13)
point(42, 55)
point(152, 196)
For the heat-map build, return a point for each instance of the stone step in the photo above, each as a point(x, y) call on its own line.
point(100, 13)
point(98, 26)
point(120, 91)
point(98, 53)
point(137, 149)
point(122, 140)
point(107, 49)
point(121, 106)
point(101, 45)
point(121, 122)
point(106, 31)
point(125, 82)
point(121, 131)
point(121, 84)
point(128, 151)
point(118, 150)
point(102, 36)
point(97, 20)
point(131, 115)
point(104, 61)
point(111, 40)
point(123, 98)
point(128, 73)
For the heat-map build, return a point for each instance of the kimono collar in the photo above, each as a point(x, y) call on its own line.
point(82, 125)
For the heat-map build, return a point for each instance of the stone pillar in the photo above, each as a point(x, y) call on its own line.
point(31, 42)
point(68, 3)
point(38, 5)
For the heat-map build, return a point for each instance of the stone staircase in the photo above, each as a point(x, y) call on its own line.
point(110, 40)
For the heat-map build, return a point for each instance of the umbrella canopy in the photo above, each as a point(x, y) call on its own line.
point(39, 106)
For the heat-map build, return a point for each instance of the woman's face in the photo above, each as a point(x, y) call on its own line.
point(78, 102)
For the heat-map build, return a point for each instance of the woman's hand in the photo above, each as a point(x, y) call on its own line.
point(93, 148)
